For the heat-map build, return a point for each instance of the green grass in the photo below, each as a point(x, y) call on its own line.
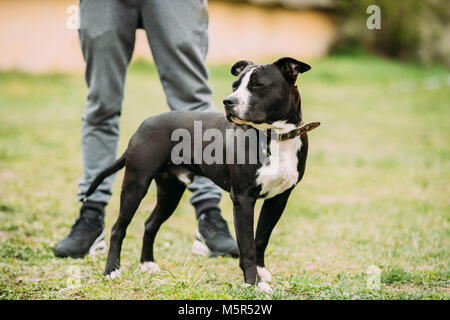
point(375, 192)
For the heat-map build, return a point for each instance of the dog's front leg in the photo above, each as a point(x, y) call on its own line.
point(243, 222)
point(270, 214)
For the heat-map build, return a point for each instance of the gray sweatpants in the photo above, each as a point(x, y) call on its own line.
point(177, 34)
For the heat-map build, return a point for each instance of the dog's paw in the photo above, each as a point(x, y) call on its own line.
point(113, 275)
point(264, 274)
point(261, 286)
point(264, 287)
point(150, 267)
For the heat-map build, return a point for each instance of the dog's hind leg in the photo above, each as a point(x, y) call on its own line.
point(169, 192)
point(134, 187)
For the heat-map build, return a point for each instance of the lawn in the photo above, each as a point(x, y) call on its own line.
point(375, 192)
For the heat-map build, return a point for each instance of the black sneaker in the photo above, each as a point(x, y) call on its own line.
point(213, 237)
point(87, 234)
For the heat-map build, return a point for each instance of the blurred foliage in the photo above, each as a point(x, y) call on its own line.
point(412, 29)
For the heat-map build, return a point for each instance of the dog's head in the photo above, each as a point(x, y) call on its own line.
point(265, 94)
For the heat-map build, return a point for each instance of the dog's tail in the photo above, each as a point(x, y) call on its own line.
point(114, 167)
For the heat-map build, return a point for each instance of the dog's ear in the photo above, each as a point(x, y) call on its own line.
point(239, 66)
point(290, 68)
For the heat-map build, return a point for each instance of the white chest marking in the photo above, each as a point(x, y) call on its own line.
point(280, 172)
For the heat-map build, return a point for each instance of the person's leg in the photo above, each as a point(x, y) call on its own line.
point(107, 36)
point(177, 31)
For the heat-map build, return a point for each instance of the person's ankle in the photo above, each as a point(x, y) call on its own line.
point(206, 205)
point(94, 205)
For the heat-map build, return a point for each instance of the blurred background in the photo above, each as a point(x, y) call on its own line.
point(377, 183)
point(411, 29)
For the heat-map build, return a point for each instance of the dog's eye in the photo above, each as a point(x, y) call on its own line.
point(257, 85)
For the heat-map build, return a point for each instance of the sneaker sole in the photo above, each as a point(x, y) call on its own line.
point(200, 248)
point(99, 245)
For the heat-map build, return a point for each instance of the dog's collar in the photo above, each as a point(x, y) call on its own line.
point(303, 128)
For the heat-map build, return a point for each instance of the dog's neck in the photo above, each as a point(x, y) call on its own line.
point(293, 117)
point(282, 126)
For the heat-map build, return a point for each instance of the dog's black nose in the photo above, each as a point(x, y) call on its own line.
point(229, 102)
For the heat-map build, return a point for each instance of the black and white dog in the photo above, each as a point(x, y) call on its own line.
point(264, 97)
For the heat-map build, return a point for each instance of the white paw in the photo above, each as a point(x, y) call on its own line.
point(264, 287)
point(150, 267)
point(246, 285)
point(113, 275)
point(264, 274)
